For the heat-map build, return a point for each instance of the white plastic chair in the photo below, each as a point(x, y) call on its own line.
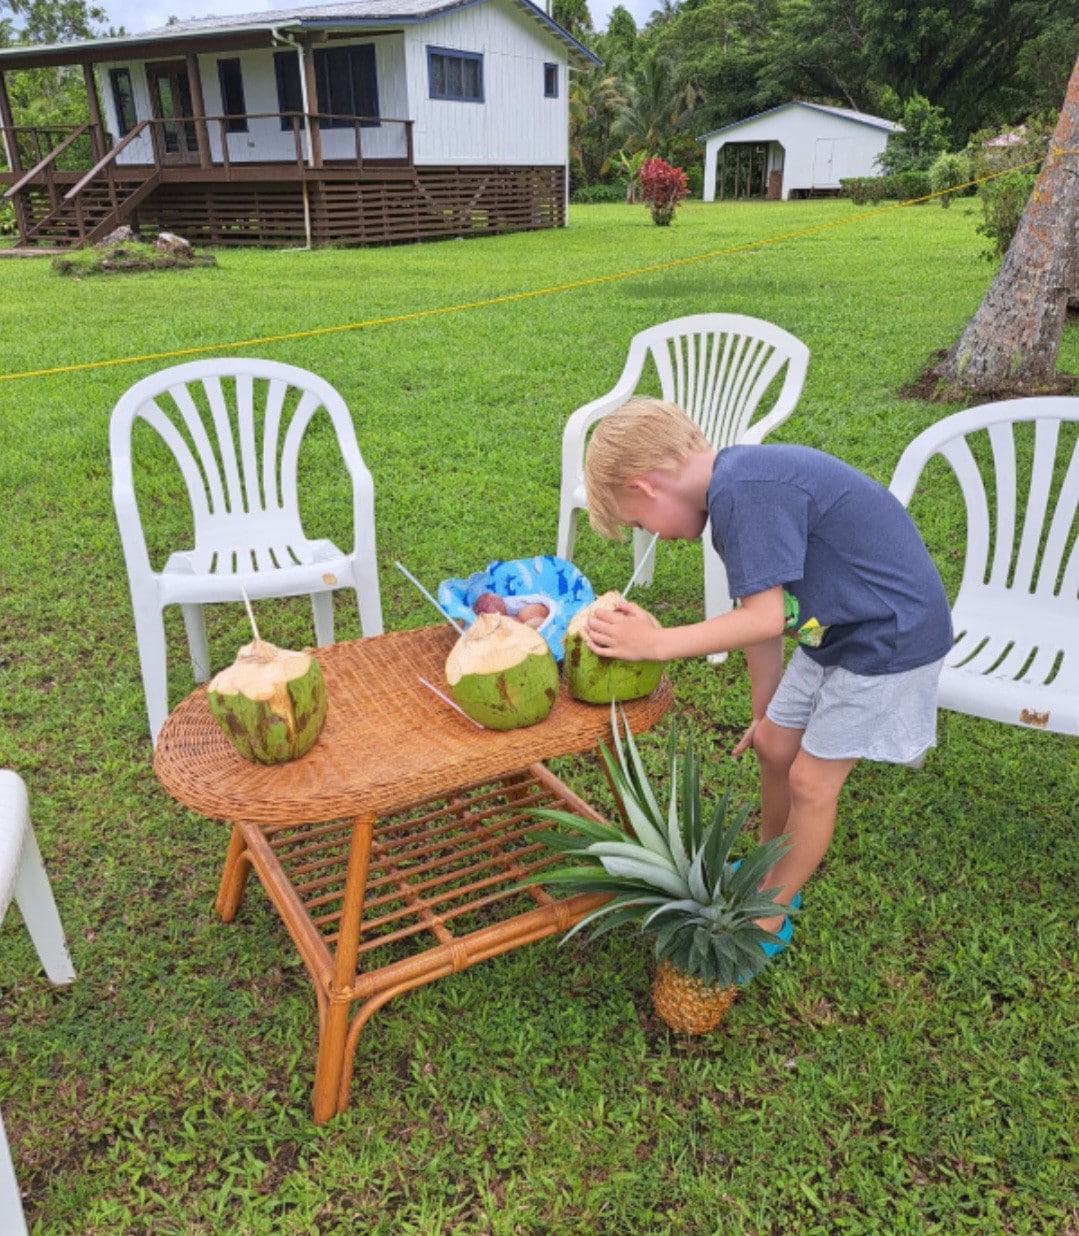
point(715, 366)
point(235, 428)
point(1016, 615)
point(22, 876)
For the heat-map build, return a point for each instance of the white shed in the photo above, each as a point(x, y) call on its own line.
point(794, 150)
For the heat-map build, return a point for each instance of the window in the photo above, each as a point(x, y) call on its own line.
point(455, 75)
point(286, 67)
point(232, 95)
point(347, 84)
point(550, 81)
point(346, 81)
point(123, 99)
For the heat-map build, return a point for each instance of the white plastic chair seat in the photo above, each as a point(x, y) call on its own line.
point(321, 559)
point(23, 877)
point(717, 367)
point(1016, 615)
point(235, 428)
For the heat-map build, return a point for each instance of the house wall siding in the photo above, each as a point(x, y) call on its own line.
point(515, 124)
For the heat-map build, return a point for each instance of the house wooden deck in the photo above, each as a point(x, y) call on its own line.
point(179, 176)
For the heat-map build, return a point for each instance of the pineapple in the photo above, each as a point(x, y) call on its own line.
point(673, 876)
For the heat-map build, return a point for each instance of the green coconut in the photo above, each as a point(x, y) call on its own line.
point(270, 702)
point(598, 680)
point(502, 673)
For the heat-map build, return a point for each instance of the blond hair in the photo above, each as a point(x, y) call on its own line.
point(641, 436)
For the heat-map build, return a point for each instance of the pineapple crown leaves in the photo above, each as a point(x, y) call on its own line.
point(674, 876)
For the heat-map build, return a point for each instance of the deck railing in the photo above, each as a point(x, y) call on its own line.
point(305, 140)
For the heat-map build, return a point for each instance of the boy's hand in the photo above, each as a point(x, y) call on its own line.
point(746, 741)
point(626, 632)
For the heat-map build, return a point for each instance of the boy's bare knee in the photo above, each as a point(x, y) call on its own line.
point(776, 746)
point(816, 783)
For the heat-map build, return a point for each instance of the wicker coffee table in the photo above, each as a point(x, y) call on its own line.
point(395, 848)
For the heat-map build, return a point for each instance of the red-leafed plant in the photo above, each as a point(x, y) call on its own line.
point(662, 188)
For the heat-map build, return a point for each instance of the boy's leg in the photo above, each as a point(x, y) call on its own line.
point(776, 748)
point(813, 787)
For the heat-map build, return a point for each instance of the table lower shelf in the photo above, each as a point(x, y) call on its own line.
point(379, 907)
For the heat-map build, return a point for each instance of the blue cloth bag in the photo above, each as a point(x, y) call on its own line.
point(552, 581)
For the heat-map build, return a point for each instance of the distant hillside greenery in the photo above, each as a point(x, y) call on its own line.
point(698, 65)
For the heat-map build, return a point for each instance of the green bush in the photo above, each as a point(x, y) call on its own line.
point(906, 185)
point(598, 193)
point(948, 172)
point(863, 190)
point(1003, 201)
point(8, 226)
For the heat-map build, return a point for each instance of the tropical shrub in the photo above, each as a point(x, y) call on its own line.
point(1003, 201)
point(948, 172)
point(662, 188)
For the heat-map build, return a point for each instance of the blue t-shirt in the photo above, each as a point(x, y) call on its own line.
point(862, 591)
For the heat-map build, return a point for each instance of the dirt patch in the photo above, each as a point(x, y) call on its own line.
point(930, 387)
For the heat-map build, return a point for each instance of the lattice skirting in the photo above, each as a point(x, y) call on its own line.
point(440, 202)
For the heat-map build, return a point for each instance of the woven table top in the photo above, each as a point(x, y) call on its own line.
point(387, 741)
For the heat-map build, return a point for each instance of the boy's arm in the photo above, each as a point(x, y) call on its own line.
point(765, 662)
point(630, 633)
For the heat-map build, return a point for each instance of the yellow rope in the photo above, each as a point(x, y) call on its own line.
point(510, 297)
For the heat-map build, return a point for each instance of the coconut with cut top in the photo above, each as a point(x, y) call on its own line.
point(599, 680)
point(502, 673)
point(270, 702)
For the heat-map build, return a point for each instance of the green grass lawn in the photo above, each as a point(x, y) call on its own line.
point(909, 1066)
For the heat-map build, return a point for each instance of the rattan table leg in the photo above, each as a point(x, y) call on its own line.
point(333, 1028)
point(234, 876)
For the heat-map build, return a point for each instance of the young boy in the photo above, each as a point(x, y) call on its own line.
point(812, 548)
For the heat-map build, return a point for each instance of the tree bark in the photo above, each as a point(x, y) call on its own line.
point(1012, 342)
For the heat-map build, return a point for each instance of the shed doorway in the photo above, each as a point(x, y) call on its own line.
point(743, 170)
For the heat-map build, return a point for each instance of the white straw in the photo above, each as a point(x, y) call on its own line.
point(250, 614)
point(453, 622)
point(640, 565)
point(446, 700)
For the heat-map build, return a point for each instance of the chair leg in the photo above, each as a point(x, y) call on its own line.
point(641, 541)
point(322, 608)
point(567, 532)
point(717, 597)
point(150, 636)
point(368, 599)
point(33, 893)
point(195, 625)
point(10, 1198)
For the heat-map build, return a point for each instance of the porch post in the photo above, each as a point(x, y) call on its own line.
point(198, 109)
point(311, 106)
point(7, 129)
point(97, 128)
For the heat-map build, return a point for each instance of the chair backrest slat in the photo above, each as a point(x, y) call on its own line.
point(247, 429)
point(965, 466)
point(1002, 441)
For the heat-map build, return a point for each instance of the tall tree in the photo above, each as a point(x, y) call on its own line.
point(1012, 342)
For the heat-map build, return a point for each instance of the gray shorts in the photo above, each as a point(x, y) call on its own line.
point(846, 716)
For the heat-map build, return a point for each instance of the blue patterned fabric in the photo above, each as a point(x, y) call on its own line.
point(552, 581)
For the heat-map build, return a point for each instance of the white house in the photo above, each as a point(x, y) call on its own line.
point(363, 121)
point(793, 151)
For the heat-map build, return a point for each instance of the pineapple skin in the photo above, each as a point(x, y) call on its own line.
point(686, 1003)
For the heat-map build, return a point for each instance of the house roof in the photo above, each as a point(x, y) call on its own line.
point(844, 113)
point(355, 15)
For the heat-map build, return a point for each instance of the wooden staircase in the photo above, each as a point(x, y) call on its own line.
point(99, 203)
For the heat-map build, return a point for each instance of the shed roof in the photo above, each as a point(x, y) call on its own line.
point(843, 113)
point(355, 15)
